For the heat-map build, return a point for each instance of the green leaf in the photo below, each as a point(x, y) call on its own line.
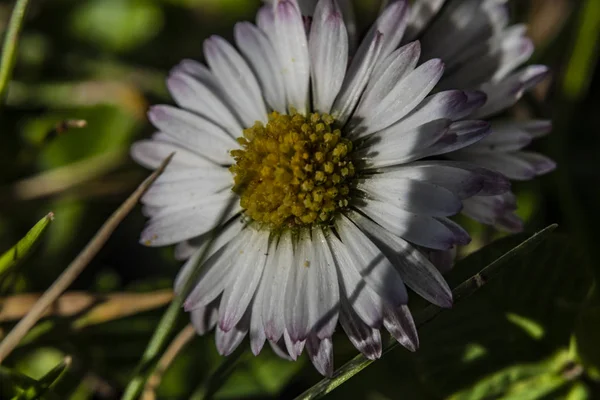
point(117, 25)
point(23, 248)
point(586, 340)
point(460, 292)
point(40, 388)
point(11, 41)
point(520, 382)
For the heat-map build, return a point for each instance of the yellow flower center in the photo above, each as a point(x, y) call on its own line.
point(295, 171)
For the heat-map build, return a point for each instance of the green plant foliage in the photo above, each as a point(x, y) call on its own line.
point(21, 250)
point(117, 25)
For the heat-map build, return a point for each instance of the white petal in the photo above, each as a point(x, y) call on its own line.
point(240, 290)
point(294, 347)
point(371, 264)
point(194, 132)
point(186, 191)
point(214, 241)
point(386, 75)
point(151, 153)
point(508, 164)
point(292, 49)
point(451, 104)
point(367, 340)
point(462, 182)
point(175, 224)
point(202, 96)
point(454, 175)
point(328, 47)
point(414, 268)
point(260, 54)
point(320, 353)
point(216, 272)
point(421, 230)
point(257, 330)
point(402, 99)
point(204, 319)
point(391, 23)
point(298, 296)
point(508, 91)
point(236, 79)
point(323, 278)
point(228, 341)
point(277, 269)
point(280, 349)
point(357, 78)
point(399, 322)
point(365, 302)
point(411, 195)
point(461, 134)
point(394, 146)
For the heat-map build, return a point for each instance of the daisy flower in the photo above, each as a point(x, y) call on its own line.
point(303, 185)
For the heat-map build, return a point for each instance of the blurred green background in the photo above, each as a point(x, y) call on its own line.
point(531, 334)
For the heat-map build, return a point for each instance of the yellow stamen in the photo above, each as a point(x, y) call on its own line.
point(295, 171)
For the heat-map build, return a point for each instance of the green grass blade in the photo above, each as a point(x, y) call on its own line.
point(460, 292)
point(23, 248)
point(39, 390)
point(11, 41)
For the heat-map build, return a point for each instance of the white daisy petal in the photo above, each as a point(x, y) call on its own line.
point(393, 69)
point(151, 153)
point(364, 301)
point(357, 78)
point(294, 347)
point(241, 288)
point(292, 49)
point(320, 353)
point(184, 192)
point(416, 271)
point(277, 268)
point(204, 319)
point(391, 23)
point(198, 94)
point(421, 230)
point(324, 278)
point(328, 47)
point(228, 341)
point(508, 91)
point(508, 164)
point(452, 105)
point(236, 79)
point(215, 240)
point(411, 195)
point(399, 322)
point(260, 54)
point(257, 330)
point(371, 264)
point(194, 132)
point(394, 145)
point(174, 224)
point(402, 99)
point(367, 340)
point(298, 294)
point(280, 349)
point(216, 272)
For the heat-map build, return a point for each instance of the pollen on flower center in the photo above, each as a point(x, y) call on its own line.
point(295, 171)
